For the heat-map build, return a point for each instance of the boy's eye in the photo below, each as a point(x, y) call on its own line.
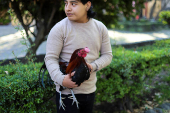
point(73, 4)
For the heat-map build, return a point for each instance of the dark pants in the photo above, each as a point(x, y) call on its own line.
point(86, 102)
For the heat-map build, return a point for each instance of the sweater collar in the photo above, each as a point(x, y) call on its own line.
point(80, 24)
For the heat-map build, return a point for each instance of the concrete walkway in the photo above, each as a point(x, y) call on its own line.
point(10, 40)
point(124, 37)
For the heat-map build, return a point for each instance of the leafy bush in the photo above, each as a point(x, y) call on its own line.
point(165, 17)
point(129, 76)
point(5, 19)
point(127, 79)
point(162, 86)
point(20, 90)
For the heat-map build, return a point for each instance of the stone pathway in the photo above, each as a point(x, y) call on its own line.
point(10, 40)
point(124, 37)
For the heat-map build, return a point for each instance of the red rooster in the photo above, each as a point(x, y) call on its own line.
point(79, 65)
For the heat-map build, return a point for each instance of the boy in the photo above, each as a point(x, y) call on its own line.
point(77, 30)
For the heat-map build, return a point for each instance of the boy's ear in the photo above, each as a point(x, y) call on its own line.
point(88, 5)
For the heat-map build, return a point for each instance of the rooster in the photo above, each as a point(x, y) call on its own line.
point(79, 65)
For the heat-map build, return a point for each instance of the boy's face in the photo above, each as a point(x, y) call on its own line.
point(76, 11)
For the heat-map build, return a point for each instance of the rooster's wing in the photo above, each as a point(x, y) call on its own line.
point(82, 73)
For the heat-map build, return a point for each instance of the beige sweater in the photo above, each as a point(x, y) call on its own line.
point(67, 36)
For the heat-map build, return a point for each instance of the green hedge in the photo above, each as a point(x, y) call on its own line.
point(127, 79)
point(165, 17)
point(129, 76)
point(140, 26)
point(20, 90)
point(5, 19)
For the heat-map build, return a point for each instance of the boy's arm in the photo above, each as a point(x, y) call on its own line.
point(53, 48)
point(105, 53)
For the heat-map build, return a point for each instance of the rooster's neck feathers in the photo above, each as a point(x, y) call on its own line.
point(76, 59)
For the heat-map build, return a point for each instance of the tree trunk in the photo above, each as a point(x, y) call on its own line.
point(38, 40)
point(129, 104)
point(141, 14)
point(152, 10)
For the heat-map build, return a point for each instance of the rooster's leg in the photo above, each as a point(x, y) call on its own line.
point(74, 98)
point(61, 102)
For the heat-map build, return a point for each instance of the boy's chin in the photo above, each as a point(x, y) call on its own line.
point(72, 19)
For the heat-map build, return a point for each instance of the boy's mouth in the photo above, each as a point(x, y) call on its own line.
point(69, 14)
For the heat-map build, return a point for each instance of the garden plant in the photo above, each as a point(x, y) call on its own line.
point(127, 80)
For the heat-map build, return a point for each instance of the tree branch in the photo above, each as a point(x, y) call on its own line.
point(32, 33)
point(51, 17)
point(3, 12)
point(41, 6)
point(152, 10)
point(17, 11)
point(33, 25)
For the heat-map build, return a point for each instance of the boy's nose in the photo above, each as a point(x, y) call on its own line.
point(68, 7)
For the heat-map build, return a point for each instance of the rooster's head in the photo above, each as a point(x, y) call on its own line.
point(83, 52)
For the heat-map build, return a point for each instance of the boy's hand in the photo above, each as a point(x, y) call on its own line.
point(67, 82)
point(90, 67)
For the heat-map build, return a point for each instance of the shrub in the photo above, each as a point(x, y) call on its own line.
point(5, 19)
point(165, 17)
point(127, 79)
point(129, 76)
point(162, 86)
point(20, 90)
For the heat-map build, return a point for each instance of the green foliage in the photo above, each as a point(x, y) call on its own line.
point(112, 7)
point(165, 17)
point(48, 12)
point(163, 86)
point(4, 4)
point(20, 89)
point(115, 7)
point(4, 16)
point(130, 74)
point(5, 19)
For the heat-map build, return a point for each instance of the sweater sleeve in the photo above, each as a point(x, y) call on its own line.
point(105, 52)
point(53, 48)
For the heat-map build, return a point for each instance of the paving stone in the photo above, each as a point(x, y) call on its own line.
point(150, 111)
point(158, 110)
point(168, 104)
point(164, 106)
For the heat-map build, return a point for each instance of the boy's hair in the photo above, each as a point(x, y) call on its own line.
point(90, 13)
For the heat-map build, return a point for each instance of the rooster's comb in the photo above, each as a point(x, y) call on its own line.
point(83, 52)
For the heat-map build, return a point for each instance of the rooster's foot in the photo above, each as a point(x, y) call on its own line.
point(74, 98)
point(61, 102)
